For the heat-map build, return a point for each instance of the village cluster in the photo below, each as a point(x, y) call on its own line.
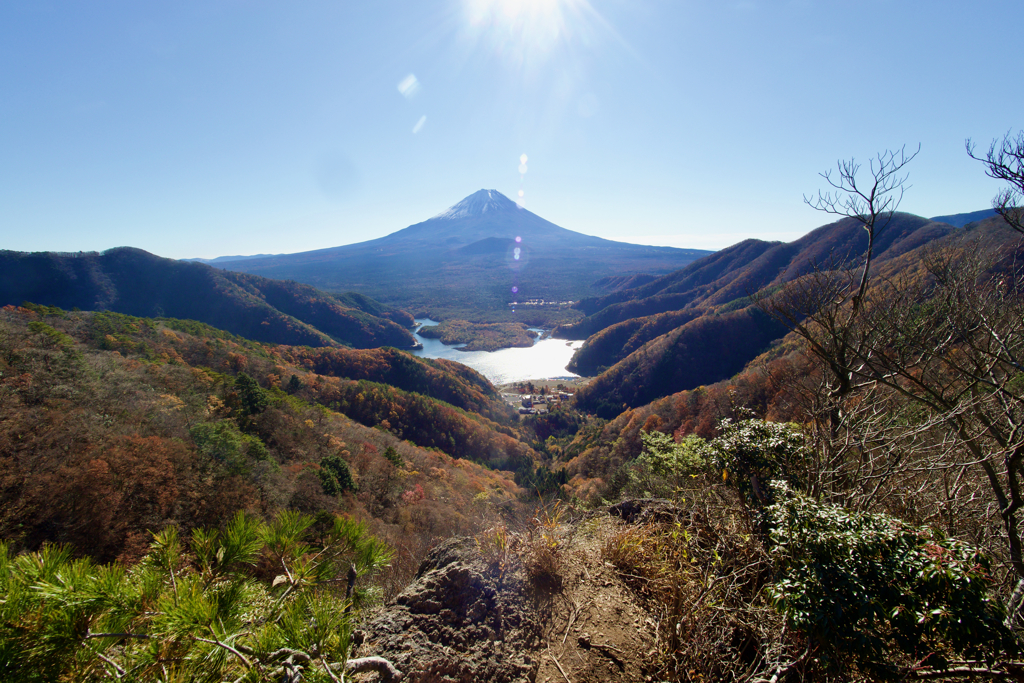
point(536, 404)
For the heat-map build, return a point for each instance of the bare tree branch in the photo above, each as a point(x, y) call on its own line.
point(1005, 161)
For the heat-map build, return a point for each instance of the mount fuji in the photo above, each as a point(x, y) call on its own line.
point(475, 259)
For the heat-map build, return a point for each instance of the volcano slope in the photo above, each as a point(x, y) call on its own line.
point(473, 261)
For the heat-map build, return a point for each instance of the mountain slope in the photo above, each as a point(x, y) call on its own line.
point(113, 426)
point(479, 256)
point(750, 265)
point(960, 220)
point(696, 326)
point(136, 282)
point(704, 350)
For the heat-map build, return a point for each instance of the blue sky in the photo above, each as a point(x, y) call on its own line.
point(236, 127)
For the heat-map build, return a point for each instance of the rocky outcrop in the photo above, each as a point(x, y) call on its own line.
point(464, 619)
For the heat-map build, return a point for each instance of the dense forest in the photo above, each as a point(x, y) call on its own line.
point(114, 425)
point(703, 323)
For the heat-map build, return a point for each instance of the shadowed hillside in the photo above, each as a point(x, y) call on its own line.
point(750, 265)
point(697, 326)
point(136, 282)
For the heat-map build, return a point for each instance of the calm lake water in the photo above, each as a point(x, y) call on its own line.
point(545, 359)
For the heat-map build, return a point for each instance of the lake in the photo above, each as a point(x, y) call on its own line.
point(546, 359)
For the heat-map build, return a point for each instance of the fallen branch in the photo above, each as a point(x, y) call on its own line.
point(560, 669)
point(383, 667)
point(961, 672)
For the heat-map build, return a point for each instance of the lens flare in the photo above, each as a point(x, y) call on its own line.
point(525, 33)
point(523, 159)
point(409, 86)
point(518, 238)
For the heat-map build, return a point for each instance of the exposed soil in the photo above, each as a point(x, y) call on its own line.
point(539, 606)
point(594, 629)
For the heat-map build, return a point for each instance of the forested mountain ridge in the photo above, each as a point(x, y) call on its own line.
point(697, 326)
point(136, 282)
point(779, 382)
point(748, 266)
point(465, 261)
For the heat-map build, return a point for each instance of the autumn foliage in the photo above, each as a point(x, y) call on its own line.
point(113, 426)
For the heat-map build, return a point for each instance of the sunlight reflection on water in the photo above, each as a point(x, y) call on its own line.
point(545, 359)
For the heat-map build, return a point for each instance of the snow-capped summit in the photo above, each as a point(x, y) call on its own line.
point(479, 203)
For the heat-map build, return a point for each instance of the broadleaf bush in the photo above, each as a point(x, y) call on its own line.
point(872, 591)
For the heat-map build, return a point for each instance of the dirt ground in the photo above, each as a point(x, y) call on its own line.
point(594, 629)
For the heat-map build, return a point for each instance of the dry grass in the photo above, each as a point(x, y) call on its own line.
point(536, 547)
point(500, 549)
point(542, 558)
point(702, 574)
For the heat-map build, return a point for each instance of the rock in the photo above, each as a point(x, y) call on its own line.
point(461, 621)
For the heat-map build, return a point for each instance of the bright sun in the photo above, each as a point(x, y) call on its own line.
point(514, 8)
point(511, 8)
point(533, 26)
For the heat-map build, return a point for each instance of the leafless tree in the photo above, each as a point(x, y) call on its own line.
point(1005, 161)
point(831, 296)
point(932, 367)
point(871, 201)
point(954, 345)
point(922, 374)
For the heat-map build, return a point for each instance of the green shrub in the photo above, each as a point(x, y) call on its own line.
point(872, 591)
point(664, 465)
point(751, 453)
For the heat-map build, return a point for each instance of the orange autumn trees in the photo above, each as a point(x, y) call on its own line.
point(112, 426)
